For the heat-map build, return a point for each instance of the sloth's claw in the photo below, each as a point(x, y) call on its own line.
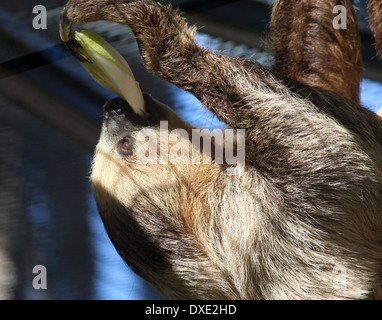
point(67, 37)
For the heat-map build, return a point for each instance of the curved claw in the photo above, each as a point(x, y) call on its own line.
point(67, 36)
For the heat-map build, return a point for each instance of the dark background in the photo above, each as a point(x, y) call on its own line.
point(50, 117)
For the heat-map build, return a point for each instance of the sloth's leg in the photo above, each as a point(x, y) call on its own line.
point(309, 48)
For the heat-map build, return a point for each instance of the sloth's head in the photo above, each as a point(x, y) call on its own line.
point(153, 200)
point(130, 139)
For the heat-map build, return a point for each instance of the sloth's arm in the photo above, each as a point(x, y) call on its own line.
point(309, 49)
point(241, 93)
point(228, 86)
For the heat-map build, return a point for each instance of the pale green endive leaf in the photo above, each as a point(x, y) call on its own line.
point(110, 69)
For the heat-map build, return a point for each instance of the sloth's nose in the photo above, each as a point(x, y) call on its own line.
point(113, 108)
point(118, 115)
point(119, 107)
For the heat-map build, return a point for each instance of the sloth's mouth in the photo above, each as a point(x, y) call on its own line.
point(118, 108)
point(120, 117)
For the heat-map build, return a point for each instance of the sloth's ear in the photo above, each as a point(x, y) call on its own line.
point(314, 49)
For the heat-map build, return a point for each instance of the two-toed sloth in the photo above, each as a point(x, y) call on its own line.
point(303, 219)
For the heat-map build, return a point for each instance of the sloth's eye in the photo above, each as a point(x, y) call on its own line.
point(126, 146)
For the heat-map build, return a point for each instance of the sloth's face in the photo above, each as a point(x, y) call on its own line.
point(132, 150)
point(124, 132)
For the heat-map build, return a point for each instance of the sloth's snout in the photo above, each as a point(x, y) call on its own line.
point(118, 107)
point(113, 108)
point(120, 117)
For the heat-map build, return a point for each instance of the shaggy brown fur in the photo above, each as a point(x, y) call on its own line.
point(375, 9)
point(293, 40)
point(304, 220)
